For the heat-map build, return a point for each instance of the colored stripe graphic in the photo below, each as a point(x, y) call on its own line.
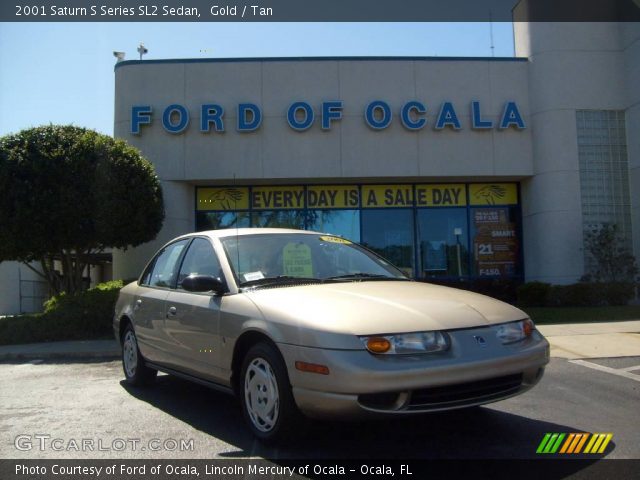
point(552, 442)
point(568, 442)
point(582, 442)
point(606, 441)
point(543, 443)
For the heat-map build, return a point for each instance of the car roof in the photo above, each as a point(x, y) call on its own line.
point(232, 232)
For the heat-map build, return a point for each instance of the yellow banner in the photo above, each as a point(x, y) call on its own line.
point(223, 198)
point(493, 194)
point(333, 196)
point(443, 195)
point(384, 196)
point(271, 198)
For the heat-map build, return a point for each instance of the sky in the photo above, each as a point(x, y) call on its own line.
point(62, 73)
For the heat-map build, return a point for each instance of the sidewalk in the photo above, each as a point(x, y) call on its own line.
point(571, 341)
point(593, 340)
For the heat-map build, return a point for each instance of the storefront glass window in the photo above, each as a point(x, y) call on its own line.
point(221, 220)
point(390, 233)
point(495, 242)
point(279, 219)
point(344, 223)
point(445, 232)
point(443, 243)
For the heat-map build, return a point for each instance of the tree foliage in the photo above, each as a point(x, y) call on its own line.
point(612, 259)
point(68, 193)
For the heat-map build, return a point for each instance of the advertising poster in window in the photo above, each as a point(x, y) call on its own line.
point(495, 243)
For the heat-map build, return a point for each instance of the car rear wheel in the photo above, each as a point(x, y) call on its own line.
point(135, 370)
point(267, 402)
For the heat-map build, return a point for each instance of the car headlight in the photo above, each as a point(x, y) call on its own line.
point(407, 343)
point(515, 331)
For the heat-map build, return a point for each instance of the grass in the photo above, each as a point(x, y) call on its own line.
point(549, 315)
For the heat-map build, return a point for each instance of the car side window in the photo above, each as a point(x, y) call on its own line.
point(165, 265)
point(200, 259)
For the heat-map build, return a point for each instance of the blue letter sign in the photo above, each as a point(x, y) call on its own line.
point(183, 118)
point(331, 111)
point(511, 116)
point(476, 120)
point(447, 117)
point(209, 114)
point(244, 123)
point(306, 122)
point(370, 115)
point(140, 115)
point(405, 115)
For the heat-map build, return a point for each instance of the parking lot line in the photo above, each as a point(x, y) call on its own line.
point(613, 371)
point(630, 369)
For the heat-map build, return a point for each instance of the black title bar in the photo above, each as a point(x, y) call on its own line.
point(320, 11)
point(300, 469)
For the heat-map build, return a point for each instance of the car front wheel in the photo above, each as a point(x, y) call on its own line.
point(267, 402)
point(135, 370)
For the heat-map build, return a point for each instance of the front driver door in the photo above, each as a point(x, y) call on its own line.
point(193, 318)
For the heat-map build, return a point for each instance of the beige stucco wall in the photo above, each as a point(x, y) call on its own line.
point(350, 151)
point(572, 66)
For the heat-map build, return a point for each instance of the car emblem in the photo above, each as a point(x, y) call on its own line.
point(480, 340)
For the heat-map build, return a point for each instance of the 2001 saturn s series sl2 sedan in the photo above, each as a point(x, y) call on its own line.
point(303, 322)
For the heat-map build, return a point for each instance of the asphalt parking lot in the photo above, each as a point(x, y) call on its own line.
point(49, 408)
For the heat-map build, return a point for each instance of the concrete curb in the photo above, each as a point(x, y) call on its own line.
point(82, 349)
point(60, 356)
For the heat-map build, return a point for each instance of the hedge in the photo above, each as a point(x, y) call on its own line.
point(86, 315)
point(582, 294)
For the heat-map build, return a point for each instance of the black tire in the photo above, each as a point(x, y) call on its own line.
point(135, 369)
point(265, 395)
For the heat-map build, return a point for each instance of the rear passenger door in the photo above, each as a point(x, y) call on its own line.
point(193, 318)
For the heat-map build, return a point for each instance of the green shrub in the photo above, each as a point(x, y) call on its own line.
point(589, 294)
point(617, 293)
point(575, 295)
point(86, 315)
point(533, 294)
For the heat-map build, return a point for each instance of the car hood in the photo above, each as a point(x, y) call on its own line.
point(378, 307)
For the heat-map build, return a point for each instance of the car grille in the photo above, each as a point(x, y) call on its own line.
point(465, 393)
point(446, 396)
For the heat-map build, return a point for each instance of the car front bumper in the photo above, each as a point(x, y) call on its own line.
point(360, 384)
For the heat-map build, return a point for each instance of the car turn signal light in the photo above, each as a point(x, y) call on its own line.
point(378, 344)
point(312, 368)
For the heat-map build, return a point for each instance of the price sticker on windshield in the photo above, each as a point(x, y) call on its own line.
point(296, 260)
point(327, 238)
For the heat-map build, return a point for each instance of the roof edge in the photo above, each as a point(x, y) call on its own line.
point(318, 59)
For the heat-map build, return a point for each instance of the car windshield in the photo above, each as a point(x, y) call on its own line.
point(264, 259)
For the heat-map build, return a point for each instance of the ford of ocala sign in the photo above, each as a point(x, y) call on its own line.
point(301, 116)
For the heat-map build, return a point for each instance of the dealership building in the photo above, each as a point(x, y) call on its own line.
point(456, 169)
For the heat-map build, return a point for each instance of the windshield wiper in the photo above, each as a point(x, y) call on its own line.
point(365, 276)
point(280, 279)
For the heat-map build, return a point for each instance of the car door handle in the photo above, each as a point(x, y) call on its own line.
point(171, 312)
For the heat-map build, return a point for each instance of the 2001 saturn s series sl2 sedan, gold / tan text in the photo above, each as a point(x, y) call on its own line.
point(297, 322)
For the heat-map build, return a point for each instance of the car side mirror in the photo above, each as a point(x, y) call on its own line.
point(203, 283)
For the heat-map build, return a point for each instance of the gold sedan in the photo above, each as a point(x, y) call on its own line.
point(304, 323)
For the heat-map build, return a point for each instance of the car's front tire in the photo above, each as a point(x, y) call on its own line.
point(135, 369)
point(267, 402)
